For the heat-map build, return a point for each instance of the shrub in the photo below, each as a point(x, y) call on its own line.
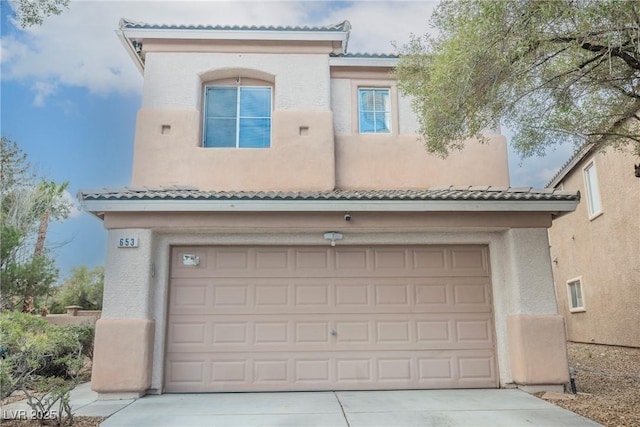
point(34, 349)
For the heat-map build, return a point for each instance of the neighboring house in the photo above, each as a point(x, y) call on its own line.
point(287, 230)
point(596, 249)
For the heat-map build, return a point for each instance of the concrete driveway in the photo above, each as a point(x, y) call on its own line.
point(404, 408)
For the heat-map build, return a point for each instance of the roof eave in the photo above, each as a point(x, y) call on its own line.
point(98, 207)
point(131, 50)
point(363, 62)
point(127, 35)
point(570, 165)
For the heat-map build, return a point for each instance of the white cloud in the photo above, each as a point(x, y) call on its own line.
point(75, 210)
point(377, 24)
point(79, 47)
point(42, 91)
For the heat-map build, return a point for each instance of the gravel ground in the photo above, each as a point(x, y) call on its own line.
point(608, 383)
point(77, 422)
point(607, 380)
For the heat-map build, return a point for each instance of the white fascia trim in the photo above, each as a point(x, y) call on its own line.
point(325, 206)
point(363, 62)
point(569, 166)
point(128, 46)
point(193, 34)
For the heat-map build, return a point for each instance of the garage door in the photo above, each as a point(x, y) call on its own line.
point(322, 318)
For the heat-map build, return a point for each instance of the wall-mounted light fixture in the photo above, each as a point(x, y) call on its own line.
point(190, 260)
point(137, 46)
point(333, 236)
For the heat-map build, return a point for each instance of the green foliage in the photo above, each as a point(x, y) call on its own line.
point(36, 350)
point(33, 12)
point(86, 336)
point(83, 288)
point(10, 239)
point(14, 168)
point(27, 269)
point(555, 71)
point(33, 277)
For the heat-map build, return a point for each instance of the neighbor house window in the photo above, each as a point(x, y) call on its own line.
point(374, 110)
point(593, 193)
point(237, 116)
point(576, 302)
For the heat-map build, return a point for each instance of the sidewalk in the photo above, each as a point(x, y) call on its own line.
point(84, 403)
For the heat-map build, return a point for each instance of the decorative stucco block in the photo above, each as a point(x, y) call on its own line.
point(537, 349)
point(122, 356)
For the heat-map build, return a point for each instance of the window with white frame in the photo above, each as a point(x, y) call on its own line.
point(574, 288)
point(237, 116)
point(374, 110)
point(593, 193)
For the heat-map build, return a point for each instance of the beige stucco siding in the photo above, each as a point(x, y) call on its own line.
point(388, 161)
point(603, 251)
point(315, 144)
point(520, 272)
point(174, 80)
point(344, 104)
point(297, 159)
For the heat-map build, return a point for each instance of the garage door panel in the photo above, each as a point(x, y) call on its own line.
point(312, 295)
point(322, 318)
point(261, 371)
point(282, 333)
point(344, 295)
point(469, 261)
point(434, 261)
point(475, 369)
point(313, 371)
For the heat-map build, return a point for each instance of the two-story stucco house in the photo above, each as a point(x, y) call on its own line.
point(596, 249)
point(287, 230)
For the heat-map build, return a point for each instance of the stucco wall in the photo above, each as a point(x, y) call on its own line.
point(301, 156)
point(388, 161)
point(344, 104)
point(315, 143)
point(520, 272)
point(128, 276)
point(603, 251)
point(174, 80)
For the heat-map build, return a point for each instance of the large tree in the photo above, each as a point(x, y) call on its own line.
point(554, 71)
point(27, 270)
point(34, 12)
point(83, 288)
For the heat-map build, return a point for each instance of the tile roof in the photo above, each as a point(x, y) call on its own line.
point(129, 24)
point(365, 55)
point(450, 193)
point(568, 166)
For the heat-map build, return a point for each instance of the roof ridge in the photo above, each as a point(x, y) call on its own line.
point(125, 23)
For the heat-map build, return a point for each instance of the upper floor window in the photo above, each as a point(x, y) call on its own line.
point(374, 110)
point(593, 193)
point(237, 116)
point(576, 302)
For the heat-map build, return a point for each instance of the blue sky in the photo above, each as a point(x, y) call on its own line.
point(70, 93)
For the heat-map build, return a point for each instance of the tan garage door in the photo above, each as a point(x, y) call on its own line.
point(323, 318)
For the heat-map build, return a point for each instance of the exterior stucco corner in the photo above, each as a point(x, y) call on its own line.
point(122, 356)
point(537, 349)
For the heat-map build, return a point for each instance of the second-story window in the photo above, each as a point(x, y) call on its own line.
point(237, 116)
point(374, 110)
point(593, 192)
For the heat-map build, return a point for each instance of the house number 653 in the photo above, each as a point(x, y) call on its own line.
point(128, 242)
